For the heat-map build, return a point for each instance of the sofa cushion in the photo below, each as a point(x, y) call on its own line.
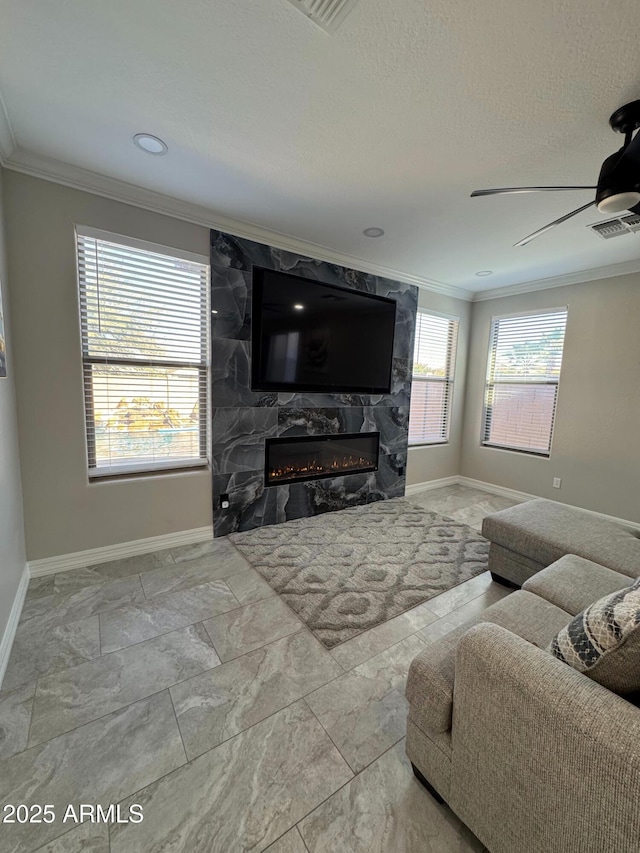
point(544, 531)
point(432, 672)
point(573, 583)
point(604, 641)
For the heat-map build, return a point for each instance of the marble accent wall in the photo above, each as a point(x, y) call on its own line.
point(242, 419)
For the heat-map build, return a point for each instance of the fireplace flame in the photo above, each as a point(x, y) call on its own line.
point(314, 467)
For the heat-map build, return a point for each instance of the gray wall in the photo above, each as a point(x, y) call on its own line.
point(443, 460)
point(63, 511)
point(595, 447)
point(243, 419)
point(596, 442)
point(12, 550)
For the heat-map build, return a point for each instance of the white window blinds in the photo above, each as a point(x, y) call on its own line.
point(525, 356)
point(433, 371)
point(144, 350)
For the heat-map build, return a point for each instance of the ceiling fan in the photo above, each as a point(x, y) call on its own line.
point(618, 186)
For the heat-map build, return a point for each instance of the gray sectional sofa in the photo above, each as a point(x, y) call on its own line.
point(534, 756)
point(532, 535)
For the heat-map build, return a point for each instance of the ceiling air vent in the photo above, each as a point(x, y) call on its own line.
point(632, 221)
point(327, 14)
point(613, 228)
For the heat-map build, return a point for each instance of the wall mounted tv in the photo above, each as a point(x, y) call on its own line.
point(310, 336)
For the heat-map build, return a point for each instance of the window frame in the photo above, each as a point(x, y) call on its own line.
point(449, 379)
point(157, 467)
point(491, 355)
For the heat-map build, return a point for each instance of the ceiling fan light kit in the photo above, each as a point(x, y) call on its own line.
point(618, 202)
point(618, 187)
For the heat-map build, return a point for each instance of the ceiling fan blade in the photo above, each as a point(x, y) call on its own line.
point(507, 190)
point(551, 225)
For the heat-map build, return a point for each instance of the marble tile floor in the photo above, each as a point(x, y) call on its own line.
point(462, 503)
point(179, 681)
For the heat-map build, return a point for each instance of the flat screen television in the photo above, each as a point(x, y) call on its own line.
point(310, 336)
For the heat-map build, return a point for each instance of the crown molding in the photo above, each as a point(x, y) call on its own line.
point(50, 169)
point(77, 178)
point(580, 277)
point(7, 139)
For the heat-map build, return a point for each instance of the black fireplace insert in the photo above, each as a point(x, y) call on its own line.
point(292, 460)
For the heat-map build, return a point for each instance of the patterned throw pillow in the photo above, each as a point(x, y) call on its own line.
point(604, 641)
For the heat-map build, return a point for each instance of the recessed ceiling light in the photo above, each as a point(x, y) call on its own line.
point(482, 273)
point(214, 311)
point(150, 144)
point(299, 307)
point(373, 232)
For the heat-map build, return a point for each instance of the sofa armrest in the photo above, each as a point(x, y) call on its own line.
point(544, 759)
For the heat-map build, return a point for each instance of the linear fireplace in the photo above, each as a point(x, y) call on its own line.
point(289, 460)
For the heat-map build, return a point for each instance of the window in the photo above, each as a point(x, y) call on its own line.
point(433, 370)
point(143, 316)
point(525, 355)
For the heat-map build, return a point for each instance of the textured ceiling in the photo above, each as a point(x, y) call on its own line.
point(391, 121)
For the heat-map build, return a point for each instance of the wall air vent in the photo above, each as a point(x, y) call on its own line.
point(327, 14)
point(616, 227)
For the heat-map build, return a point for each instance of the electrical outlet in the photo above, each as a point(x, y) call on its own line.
point(557, 482)
point(224, 501)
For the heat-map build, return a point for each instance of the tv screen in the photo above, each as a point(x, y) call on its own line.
point(310, 336)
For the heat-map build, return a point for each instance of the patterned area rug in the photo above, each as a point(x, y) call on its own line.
point(344, 572)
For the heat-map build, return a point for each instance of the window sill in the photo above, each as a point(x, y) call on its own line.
point(176, 466)
point(428, 444)
point(539, 454)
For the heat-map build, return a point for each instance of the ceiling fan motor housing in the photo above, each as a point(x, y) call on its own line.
point(618, 184)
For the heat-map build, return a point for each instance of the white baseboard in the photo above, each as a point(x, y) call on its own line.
point(431, 484)
point(501, 491)
point(524, 496)
point(633, 524)
point(12, 625)
point(64, 562)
